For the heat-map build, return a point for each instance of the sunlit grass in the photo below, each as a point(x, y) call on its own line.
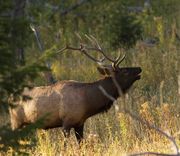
point(154, 98)
point(114, 133)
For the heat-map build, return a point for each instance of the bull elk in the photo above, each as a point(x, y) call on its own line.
point(70, 103)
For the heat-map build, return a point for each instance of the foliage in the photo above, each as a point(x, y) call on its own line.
point(107, 20)
point(13, 76)
point(124, 29)
point(155, 97)
point(19, 140)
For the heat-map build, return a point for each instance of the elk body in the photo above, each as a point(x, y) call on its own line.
point(70, 103)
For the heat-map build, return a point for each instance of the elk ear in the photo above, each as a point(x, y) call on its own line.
point(104, 70)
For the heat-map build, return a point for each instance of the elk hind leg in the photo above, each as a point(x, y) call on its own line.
point(79, 132)
point(66, 132)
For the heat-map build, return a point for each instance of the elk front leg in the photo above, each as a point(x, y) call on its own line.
point(66, 132)
point(79, 132)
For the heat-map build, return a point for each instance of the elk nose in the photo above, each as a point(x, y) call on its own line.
point(139, 69)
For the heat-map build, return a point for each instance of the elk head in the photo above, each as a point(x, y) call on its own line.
point(124, 76)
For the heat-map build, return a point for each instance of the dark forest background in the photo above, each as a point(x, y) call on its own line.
point(148, 31)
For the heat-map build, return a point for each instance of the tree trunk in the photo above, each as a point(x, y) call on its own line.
point(18, 15)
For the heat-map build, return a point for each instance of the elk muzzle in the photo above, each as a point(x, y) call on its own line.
point(137, 73)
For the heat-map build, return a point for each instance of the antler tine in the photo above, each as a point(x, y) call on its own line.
point(97, 47)
point(84, 51)
point(101, 61)
point(82, 45)
point(114, 64)
point(91, 40)
point(78, 36)
point(118, 58)
point(95, 41)
point(119, 61)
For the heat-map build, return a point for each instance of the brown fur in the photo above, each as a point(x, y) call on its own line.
point(70, 103)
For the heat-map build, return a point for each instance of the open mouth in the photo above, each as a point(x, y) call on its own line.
point(138, 75)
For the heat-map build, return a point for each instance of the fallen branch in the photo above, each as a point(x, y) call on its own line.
point(150, 126)
point(152, 153)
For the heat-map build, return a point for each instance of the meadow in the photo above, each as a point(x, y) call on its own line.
point(153, 100)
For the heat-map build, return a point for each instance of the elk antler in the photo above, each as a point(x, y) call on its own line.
point(95, 47)
point(82, 49)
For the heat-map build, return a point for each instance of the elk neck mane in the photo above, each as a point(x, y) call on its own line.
point(96, 97)
point(108, 85)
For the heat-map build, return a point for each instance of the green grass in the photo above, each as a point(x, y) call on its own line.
point(154, 98)
point(114, 134)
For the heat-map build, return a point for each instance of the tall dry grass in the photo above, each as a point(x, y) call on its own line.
point(154, 98)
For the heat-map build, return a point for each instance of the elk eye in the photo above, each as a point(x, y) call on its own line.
point(125, 72)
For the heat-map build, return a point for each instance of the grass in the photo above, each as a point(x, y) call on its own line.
point(114, 134)
point(154, 98)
